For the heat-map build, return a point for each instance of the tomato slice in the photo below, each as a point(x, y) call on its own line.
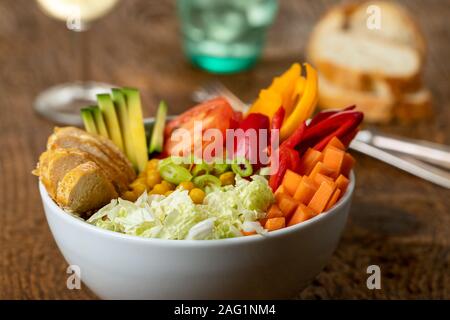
point(216, 113)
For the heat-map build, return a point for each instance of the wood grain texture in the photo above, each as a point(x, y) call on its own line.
point(397, 221)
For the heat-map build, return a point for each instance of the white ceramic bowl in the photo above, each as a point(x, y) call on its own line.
point(118, 266)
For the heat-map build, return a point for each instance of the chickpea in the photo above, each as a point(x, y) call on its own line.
point(169, 185)
point(159, 189)
point(139, 188)
point(143, 174)
point(227, 178)
point(137, 182)
point(153, 178)
point(197, 195)
point(186, 185)
point(152, 164)
point(129, 195)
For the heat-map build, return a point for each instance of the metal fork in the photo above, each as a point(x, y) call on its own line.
point(405, 154)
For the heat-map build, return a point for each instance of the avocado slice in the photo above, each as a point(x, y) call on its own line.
point(136, 121)
point(122, 114)
point(112, 123)
point(88, 120)
point(99, 122)
point(157, 139)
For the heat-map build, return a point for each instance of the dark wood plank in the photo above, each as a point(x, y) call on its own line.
point(397, 221)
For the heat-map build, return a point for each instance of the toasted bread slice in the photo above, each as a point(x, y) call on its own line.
point(84, 189)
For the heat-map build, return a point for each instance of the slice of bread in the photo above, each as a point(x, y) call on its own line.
point(414, 106)
point(397, 24)
point(352, 58)
point(379, 105)
point(84, 189)
point(380, 70)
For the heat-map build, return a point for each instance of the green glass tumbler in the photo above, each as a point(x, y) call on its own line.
point(225, 36)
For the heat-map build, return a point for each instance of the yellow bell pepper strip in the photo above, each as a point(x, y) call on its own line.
point(305, 105)
point(278, 94)
point(268, 103)
point(285, 86)
point(299, 88)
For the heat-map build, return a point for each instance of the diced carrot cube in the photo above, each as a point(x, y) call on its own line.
point(245, 233)
point(334, 198)
point(320, 199)
point(342, 183)
point(335, 142)
point(320, 168)
point(275, 224)
point(305, 190)
point(273, 212)
point(333, 158)
point(279, 192)
point(347, 165)
point(309, 160)
point(302, 213)
point(291, 180)
point(287, 205)
point(319, 178)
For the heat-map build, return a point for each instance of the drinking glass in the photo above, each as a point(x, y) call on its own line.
point(225, 36)
point(62, 103)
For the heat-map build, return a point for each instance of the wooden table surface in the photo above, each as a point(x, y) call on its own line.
point(397, 221)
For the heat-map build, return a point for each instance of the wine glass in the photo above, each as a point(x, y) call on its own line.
point(62, 103)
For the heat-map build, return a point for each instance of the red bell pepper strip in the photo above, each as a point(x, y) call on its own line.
point(328, 113)
point(283, 164)
point(339, 133)
point(277, 119)
point(244, 147)
point(296, 137)
point(313, 135)
point(347, 139)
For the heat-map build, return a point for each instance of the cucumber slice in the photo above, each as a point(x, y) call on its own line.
point(112, 123)
point(88, 120)
point(100, 122)
point(157, 139)
point(122, 114)
point(136, 122)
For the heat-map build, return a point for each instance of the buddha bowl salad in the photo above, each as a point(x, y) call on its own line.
point(262, 171)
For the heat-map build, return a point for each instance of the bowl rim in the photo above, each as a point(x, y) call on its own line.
point(72, 220)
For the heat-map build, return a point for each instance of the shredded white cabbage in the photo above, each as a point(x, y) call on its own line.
point(225, 212)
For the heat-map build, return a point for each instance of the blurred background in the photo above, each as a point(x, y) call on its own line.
point(397, 221)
